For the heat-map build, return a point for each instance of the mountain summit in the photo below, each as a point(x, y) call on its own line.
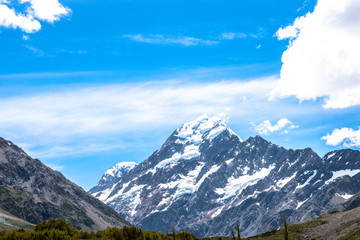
point(204, 178)
point(183, 144)
point(110, 178)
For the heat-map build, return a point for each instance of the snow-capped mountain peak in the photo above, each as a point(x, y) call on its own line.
point(118, 170)
point(112, 176)
point(190, 136)
point(204, 176)
point(201, 129)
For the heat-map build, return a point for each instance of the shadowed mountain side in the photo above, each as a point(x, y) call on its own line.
point(34, 192)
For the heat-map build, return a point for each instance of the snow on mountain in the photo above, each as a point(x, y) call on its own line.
point(204, 178)
point(110, 178)
point(235, 185)
point(191, 135)
point(119, 170)
point(195, 132)
point(341, 173)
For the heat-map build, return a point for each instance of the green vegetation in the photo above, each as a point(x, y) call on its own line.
point(294, 231)
point(238, 230)
point(354, 234)
point(12, 223)
point(333, 212)
point(174, 233)
point(286, 231)
point(61, 230)
point(23, 206)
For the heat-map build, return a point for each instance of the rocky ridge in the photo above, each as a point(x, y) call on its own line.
point(204, 178)
point(33, 192)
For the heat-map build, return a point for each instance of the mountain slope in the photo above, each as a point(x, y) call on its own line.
point(31, 191)
point(110, 178)
point(9, 222)
point(333, 226)
point(204, 178)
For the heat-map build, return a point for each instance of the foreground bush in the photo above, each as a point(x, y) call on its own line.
point(56, 229)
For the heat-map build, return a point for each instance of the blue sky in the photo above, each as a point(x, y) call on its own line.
point(87, 84)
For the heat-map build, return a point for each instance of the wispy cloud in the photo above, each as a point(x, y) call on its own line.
point(41, 75)
point(34, 11)
point(55, 167)
point(188, 41)
point(37, 51)
point(346, 137)
point(161, 39)
point(232, 35)
point(266, 128)
point(100, 118)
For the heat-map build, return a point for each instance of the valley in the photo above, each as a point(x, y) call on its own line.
point(202, 181)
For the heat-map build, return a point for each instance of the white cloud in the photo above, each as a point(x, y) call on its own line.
point(10, 19)
point(265, 128)
point(291, 31)
point(35, 10)
point(46, 10)
point(228, 36)
point(55, 167)
point(347, 137)
point(161, 39)
point(323, 57)
point(93, 119)
point(232, 35)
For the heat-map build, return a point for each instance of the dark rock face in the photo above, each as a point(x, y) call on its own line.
point(34, 192)
point(205, 178)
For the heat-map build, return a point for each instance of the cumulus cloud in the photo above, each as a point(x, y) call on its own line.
point(35, 11)
point(323, 56)
point(72, 121)
point(10, 19)
point(46, 10)
point(347, 137)
point(161, 39)
point(265, 128)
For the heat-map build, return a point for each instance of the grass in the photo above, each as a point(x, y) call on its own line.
point(15, 223)
point(354, 234)
point(295, 231)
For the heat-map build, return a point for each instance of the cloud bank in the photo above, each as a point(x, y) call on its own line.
point(85, 119)
point(323, 56)
point(346, 137)
point(266, 128)
point(34, 11)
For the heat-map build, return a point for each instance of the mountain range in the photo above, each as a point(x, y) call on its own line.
point(31, 192)
point(204, 178)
